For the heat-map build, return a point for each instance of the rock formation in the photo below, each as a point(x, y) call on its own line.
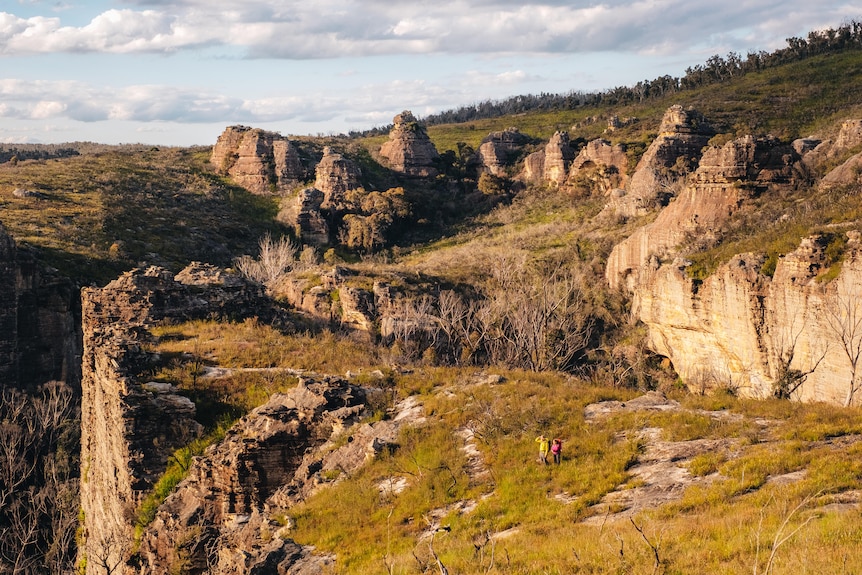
point(604, 164)
point(682, 135)
point(498, 148)
point(726, 177)
point(39, 312)
point(335, 175)
point(409, 149)
point(257, 160)
point(739, 327)
point(129, 427)
point(303, 214)
point(558, 157)
point(217, 517)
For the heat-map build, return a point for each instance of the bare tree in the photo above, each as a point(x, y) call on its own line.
point(38, 489)
point(781, 536)
point(275, 260)
point(540, 318)
point(790, 378)
point(844, 318)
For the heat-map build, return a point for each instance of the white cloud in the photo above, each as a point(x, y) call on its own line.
point(292, 29)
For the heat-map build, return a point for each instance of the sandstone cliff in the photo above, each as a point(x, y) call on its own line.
point(725, 178)
point(40, 339)
point(742, 329)
point(409, 149)
point(257, 160)
point(219, 519)
point(756, 333)
point(129, 428)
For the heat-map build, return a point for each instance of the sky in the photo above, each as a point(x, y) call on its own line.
point(178, 72)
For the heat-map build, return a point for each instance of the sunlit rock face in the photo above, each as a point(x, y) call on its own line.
point(409, 149)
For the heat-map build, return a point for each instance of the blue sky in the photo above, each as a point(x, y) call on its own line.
point(178, 72)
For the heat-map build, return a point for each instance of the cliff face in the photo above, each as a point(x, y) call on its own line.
point(218, 518)
point(257, 160)
point(787, 333)
point(726, 177)
point(39, 336)
point(130, 427)
point(743, 329)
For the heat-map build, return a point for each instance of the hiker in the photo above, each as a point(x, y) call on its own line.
point(557, 450)
point(544, 446)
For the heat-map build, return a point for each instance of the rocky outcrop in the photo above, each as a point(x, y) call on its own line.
point(605, 165)
point(130, 427)
point(303, 214)
point(409, 149)
point(741, 329)
point(39, 316)
point(335, 175)
point(726, 177)
point(676, 150)
point(219, 516)
point(558, 156)
point(260, 161)
point(498, 149)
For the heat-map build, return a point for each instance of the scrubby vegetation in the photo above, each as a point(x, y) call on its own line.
point(511, 280)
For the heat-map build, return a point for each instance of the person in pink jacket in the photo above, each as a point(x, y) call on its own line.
point(557, 450)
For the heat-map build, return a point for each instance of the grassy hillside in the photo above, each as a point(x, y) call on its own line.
point(99, 213)
point(709, 485)
point(742, 486)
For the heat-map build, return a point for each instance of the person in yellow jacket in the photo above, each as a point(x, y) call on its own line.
point(544, 447)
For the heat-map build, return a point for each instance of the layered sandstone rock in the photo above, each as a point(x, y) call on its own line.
point(335, 175)
point(498, 148)
point(604, 164)
point(257, 160)
point(682, 136)
point(558, 156)
point(725, 178)
point(219, 513)
point(741, 329)
point(303, 214)
point(409, 149)
point(130, 427)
